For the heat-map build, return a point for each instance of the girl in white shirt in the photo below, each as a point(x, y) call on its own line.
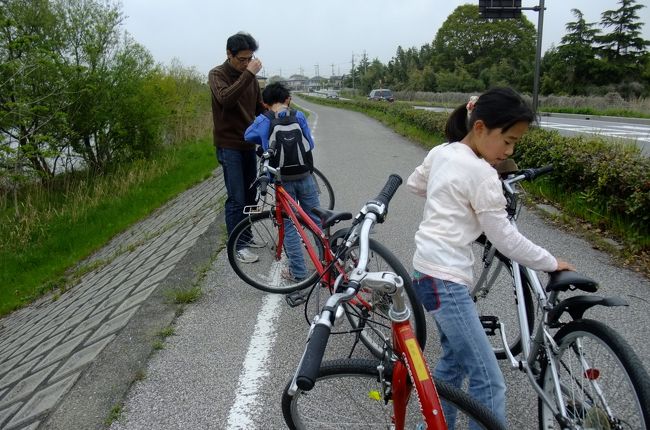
point(464, 198)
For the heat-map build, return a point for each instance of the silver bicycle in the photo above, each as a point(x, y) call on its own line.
point(586, 376)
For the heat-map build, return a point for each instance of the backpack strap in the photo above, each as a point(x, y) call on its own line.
point(269, 114)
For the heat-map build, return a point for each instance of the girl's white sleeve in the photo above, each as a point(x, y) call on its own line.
point(417, 182)
point(513, 244)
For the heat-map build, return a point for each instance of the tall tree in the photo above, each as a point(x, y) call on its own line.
point(573, 65)
point(478, 44)
point(623, 46)
point(32, 85)
point(92, 35)
point(625, 39)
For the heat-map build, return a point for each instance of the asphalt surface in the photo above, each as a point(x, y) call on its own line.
point(66, 364)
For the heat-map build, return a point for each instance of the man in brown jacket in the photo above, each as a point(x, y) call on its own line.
point(236, 101)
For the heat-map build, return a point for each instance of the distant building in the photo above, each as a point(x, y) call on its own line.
point(297, 83)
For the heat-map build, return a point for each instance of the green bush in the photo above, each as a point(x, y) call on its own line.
point(613, 179)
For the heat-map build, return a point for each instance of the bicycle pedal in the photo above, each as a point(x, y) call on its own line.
point(490, 324)
point(296, 298)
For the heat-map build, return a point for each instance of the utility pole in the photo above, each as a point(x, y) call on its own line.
point(538, 56)
point(352, 72)
point(507, 9)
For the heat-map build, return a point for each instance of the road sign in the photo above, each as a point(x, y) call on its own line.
point(499, 9)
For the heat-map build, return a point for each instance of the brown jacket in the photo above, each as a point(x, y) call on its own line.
point(236, 101)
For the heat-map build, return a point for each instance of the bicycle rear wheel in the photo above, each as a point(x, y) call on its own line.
point(348, 395)
point(604, 384)
point(495, 300)
point(269, 273)
point(325, 190)
point(373, 322)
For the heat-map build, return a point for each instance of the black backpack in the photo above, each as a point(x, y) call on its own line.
point(292, 152)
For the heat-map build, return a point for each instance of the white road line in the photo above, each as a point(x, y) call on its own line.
point(256, 364)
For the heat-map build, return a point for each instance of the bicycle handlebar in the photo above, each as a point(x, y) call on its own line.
point(308, 371)
point(389, 190)
point(263, 184)
point(531, 174)
point(526, 174)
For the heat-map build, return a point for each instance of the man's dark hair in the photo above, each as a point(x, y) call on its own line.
point(241, 42)
point(275, 93)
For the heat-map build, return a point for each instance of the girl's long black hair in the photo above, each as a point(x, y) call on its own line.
point(497, 108)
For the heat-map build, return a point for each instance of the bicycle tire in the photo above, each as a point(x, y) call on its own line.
point(266, 273)
point(375, 324)
point(325, 190)
point(500, 301)
point(349, 390)
point(624, 381)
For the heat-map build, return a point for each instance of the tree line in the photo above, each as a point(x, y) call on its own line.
point(470, 54)
point(77, 92)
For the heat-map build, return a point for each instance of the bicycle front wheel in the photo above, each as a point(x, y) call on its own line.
point(348, 395)
point(325, 190)
point(260, 235)
point(369, 314)
point(496, 301)
point(603, 383)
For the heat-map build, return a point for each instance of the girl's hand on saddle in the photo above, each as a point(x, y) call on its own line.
point(563, 265)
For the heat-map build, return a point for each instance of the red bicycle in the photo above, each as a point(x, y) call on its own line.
point(327, 257)
point(358, 393)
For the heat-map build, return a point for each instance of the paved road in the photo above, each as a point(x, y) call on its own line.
point(236, 348)
point(64, 364)
point(621, 129)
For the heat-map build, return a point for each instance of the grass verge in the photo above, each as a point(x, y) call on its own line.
point(45, 235)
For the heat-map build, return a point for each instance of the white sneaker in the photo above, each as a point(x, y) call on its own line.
point(244, 255)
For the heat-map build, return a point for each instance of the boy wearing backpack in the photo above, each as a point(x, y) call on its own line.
point(286, 131)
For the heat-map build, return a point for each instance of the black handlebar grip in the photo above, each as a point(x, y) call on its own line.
point(264, 182)
point(389, 190)
point(533, 173)
point(310, 366)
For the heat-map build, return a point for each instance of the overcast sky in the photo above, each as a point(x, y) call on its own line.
point(316, 36)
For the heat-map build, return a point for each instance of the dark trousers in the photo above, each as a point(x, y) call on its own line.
point(239, 172)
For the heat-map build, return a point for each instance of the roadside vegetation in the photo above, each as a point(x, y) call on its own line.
point(94, 136)
point(601, 186)
point(50, 230)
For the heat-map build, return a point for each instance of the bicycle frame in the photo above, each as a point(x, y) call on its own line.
point(286, 204)
point(541, 341)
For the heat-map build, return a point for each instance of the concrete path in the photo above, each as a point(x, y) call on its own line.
point(58, 355)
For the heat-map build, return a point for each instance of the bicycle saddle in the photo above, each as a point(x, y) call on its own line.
point(328, 217)
point(566, 279)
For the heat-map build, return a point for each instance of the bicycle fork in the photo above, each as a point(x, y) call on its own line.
point(412, 372)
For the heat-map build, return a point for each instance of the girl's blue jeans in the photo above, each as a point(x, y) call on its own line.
point(466, 350)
